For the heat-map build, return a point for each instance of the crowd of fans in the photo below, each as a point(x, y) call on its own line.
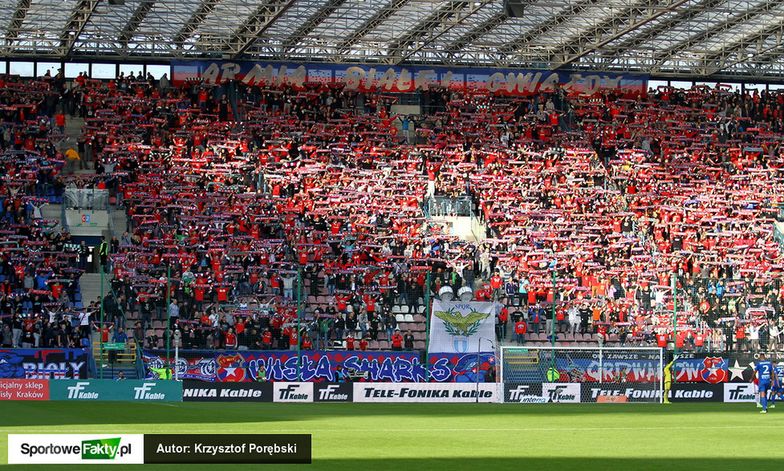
point(40, 296)
point(602, 215)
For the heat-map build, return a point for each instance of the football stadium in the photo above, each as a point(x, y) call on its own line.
point(374, 234)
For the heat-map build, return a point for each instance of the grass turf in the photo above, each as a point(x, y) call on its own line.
point(410, 437)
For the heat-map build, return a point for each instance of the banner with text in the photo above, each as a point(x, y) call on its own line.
point(24, 390)
point(736, 392)
point(194, 390)
point(429, 392)
point(462, 327)
point(44, 363)
point(108, 390)
point(243, 366)
point(398, 79)
point(718, 368)
point(582, 366)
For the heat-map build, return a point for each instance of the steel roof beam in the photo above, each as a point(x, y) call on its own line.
point(730, 23)
point(551, 23)
point(476, 33)
point(311, 23)
point(371, 23)
point(650, 34)
point(431, 22)
point(723, 58)
point(195, 20)
point(433, 34)
point(135, 21)
point(80, 16)
point(615, 27)
point(18, 19)
point(258, 22)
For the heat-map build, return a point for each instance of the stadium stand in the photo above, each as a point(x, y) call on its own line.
point(236, 197)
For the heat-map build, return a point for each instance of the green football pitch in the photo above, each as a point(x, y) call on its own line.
point(410, 437)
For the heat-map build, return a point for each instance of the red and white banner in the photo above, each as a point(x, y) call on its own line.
point(24, 390)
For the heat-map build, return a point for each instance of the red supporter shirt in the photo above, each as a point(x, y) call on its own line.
point(520, 328)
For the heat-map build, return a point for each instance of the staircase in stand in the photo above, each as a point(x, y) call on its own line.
point(124, 361)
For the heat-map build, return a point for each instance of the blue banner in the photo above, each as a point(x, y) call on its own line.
point(240, 366)
point(701, 370)
point(44, 363)
point(461, 367)
point(398, 79)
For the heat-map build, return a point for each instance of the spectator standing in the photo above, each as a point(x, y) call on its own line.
point(7, 336)
point(503, 319)
point(408, 341)
point(574, 319)
point(754, 337)
point(288, 286)
point(520, 330)
point(773, 335)
point(119, 337)
point(231, 339)
point(17, 330)
point(390, 324)
point(397, 341)
point(174, 313)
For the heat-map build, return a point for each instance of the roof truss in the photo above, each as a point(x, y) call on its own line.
point(311, 23)
point(80, 15)
point(746, 16)
point(372, 23)
point(261, 19)
point(194, 21)
point(673, 38)
point(553, 22)
point(611, 29)
point(18, 19)
point(136, 19)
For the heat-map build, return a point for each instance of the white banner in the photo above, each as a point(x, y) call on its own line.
point(76, 449)
point(462, 327)
point(561, 392)
point(740, 392)
point(292, 392)
point(425, 392)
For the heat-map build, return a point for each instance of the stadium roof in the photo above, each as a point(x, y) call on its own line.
point(689, 38)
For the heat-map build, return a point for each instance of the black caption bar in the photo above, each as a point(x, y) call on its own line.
point(228, 449)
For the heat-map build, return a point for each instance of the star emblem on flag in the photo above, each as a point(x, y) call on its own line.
point(736, 371)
